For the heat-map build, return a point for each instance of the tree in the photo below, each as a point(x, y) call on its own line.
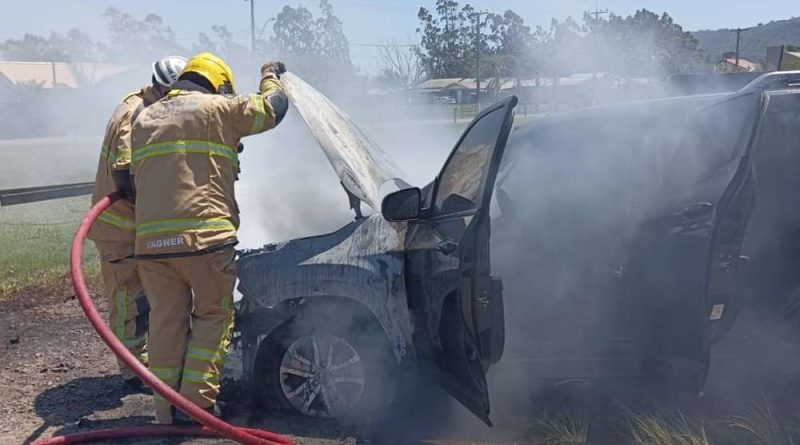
point(297, 32)
point(645, 44)
point(294, 31)
point(31, 48)
point(222, 43)
point(400, 64)
point(76, 44)
point(72, 46)
point(314, 47)
point(451, 37)
point(140, 40)
point(512, 43)
point(445, 43)
point(330, 35)
point(642, 44)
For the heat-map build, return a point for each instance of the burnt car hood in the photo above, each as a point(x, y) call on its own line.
point(361, 165)
point(371, 246)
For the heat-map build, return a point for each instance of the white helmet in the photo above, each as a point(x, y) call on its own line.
point(167, 70)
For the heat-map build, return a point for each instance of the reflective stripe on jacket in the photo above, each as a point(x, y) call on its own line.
point(185, 163)
point(115, 229)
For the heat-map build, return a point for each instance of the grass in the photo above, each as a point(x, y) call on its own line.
point(563, 428)
point(34, 244)
point(764, 426)
point(653, 429)
point(35, 238)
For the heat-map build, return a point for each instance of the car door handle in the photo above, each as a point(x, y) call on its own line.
point(697, 211)
point(447, 247)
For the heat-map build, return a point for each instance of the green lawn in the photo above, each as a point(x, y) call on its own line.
point(35, 241)
point(35, 238)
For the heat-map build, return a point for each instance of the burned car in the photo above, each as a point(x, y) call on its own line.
point(323, 319)
point(618, 232)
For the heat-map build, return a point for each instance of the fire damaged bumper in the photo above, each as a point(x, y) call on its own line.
point(358, 267)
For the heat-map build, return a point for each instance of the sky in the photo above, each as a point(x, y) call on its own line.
point(366, 22)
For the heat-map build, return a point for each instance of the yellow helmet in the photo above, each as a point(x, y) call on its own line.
point(214, 69)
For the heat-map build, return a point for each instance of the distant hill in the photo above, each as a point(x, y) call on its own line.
point(754, 41)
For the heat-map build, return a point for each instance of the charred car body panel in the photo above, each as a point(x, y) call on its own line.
point(362, 262)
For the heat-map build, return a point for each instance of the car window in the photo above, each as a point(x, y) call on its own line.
point(461, 183)
point(719, 135)
point(777, 161)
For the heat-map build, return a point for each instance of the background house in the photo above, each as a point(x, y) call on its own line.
point(5, 83)
point(728, 64)
point(785, 57)
point(35, 95)
point(547, 93)
point(447, 91)
point(50, 75)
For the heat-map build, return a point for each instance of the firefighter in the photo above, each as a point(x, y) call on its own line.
point(113, 233)
point(185, 162)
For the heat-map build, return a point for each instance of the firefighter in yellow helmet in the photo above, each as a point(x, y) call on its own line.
point(113, 234)
point(185, 162)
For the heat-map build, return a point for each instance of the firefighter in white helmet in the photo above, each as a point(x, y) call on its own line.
point(114, 232)
point(185, 162)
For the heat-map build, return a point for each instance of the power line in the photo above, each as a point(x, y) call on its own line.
point(386, 45)
point(597, 12)
point(379, 5)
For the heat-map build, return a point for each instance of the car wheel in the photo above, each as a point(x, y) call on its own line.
point(324, 372)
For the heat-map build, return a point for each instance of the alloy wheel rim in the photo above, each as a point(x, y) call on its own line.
point(322, 375)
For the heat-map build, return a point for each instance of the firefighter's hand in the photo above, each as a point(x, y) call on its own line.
point(239, 147)
point(276, 68)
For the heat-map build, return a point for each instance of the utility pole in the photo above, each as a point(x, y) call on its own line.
point(596, 13)
point(478, 56)
point(738, 40)
point(252, 26)
point(738, 37)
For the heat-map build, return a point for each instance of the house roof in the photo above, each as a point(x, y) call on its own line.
point(440, 84)
point(62, 74)
point(576, 79)
point(509, 83)
point(5, 82)
point(743, 63)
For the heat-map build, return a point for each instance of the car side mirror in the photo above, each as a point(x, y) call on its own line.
point(402, 205)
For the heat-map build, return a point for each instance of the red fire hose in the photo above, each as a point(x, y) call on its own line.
point(212, 426)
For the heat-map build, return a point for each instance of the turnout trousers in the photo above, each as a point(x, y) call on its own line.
point(191, 317)
point(128, 307)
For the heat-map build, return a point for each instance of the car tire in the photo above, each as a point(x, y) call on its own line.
point(350, 382)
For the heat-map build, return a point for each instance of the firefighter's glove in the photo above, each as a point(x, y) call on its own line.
point(239, 147)
point(276, 68)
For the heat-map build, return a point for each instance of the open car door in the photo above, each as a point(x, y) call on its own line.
point(683, 274)
point(457, 304)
